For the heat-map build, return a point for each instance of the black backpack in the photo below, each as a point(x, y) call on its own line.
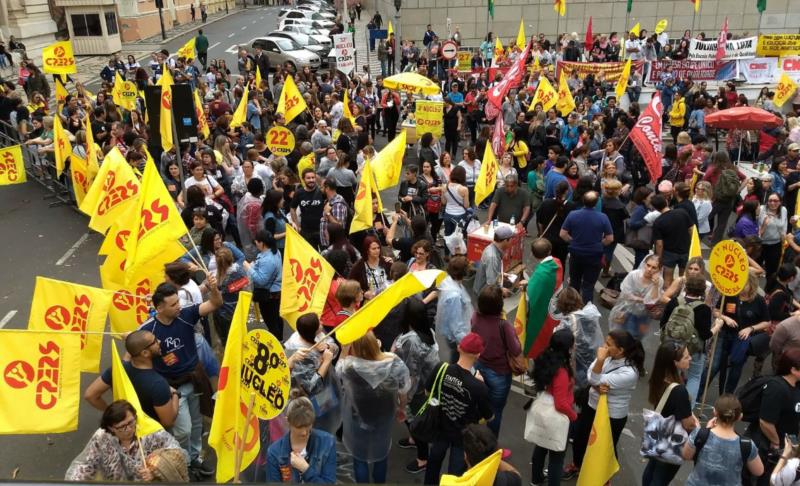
point(750, 395)
point(745, 445)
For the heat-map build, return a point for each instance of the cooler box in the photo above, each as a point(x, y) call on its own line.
point(479, 239)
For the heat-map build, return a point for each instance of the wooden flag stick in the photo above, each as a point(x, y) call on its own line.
point(241, 445)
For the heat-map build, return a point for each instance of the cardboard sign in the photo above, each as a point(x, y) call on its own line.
point(729, 267)
point(265, 372)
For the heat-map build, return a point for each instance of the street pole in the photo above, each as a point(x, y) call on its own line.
point(161, 20)
point(398, 48)
point(694, 16)
point(226, 7)
point(760, 16)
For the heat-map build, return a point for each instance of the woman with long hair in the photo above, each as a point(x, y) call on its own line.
point(433, 196)
point(472, 169)
point(552, 372)
point(371, 270)
point(551, 215)
point(231, 279)
point(337, 235)
point(417, 348)
point(457, 201)
point(265, 273)
point(274, 217)
point(615, 372)
point(773, 219)
point(374, 385)
point(723, 204)
point(672, 360)
point(746, 223)
point(445, 166)
point(640, 288)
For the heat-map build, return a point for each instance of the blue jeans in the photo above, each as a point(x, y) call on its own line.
point(658, 473)
point(583, 273)
point(361, 471)
point(453, 348)
point(694, 377)
point(438, 450)
point(383, 68)
point(499, 385)
point(188, 427)
point(608, 253)
point(451, 223)
point(634, 323)
point(729, 372)
point(555, 463)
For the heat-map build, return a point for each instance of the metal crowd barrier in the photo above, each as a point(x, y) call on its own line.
point(39, 168)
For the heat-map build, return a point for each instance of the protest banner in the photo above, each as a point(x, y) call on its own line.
point(464, 61)
point(611, 70)
point(12, 166)
point(280, 141)
point(790, 66)
point(265, 372)
point(59, 58)
point(728, 266)
point(778, 45)
point(41, 387)
point(760, 70)
point(698, 70)
point(429, 116)
point(734, 49)
point(345, 53)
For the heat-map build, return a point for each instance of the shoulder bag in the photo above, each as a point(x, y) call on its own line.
point(425, 426)
point(663, 437)
point(518, 364)
point(545, 426)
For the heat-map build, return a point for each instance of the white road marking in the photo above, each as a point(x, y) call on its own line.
point(232, 49)
point(254, 22)
point(244, 28)
point(213, 45)
point(72, 249)
point(230, 35)
point(7, 318)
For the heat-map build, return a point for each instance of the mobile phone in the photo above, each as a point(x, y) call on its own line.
point(397, 207)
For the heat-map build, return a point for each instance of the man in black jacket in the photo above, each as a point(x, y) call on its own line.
point(262, 63)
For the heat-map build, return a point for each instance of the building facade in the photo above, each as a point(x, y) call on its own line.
point(30, 21)
point(471, 17)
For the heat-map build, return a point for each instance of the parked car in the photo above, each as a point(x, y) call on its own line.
point(317, 24)
point(320, 4)
point(306, 41)
point(321, 35)
point(306, 14)
point(317, 8)
point(280, 50)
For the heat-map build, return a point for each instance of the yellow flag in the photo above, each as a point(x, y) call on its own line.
point(166, 83)
point(521, 319)
point(113, 191)
point(346, 107)
point(390, 30)
point(636, 29)
point(696, 5)
point(79, 170)
point(123, 390)
point(362, 219)
point(61, 145)
point(545, 94)
point(229, 432)
point(69, 307)
point(388, 163)
point(61, 92)
point(59, 58)
point(124, 93)
point(498, 49)
point(373, 312)
point(91, 152)
point(560, 6)
point(661, 26)
point(521, 40)
point(12, 166)
point(565, 103)
point(157, 224)
point(258, 78)
point(600, 463)
point(202, 123)
point(481, 474)
point(622, 83)
point(785, 89)
point(694, 247)
point(291, 103)
point(41, 387)
point(187, 51)
point(306, 278)
point(487, 178)
point(240, 115)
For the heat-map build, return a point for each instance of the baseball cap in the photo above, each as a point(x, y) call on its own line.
point(503, 233)
point(794, 146)
point(472, 343)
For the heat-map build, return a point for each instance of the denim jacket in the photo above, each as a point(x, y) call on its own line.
point(321, 449)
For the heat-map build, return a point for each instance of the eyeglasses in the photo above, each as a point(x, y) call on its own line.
point(126, 426)
point(154, 341)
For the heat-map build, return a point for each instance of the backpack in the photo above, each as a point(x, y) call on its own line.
point(745, 445)
point(749, 396)
point(680, 326)
point(727, 186)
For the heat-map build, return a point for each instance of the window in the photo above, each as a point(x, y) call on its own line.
point(111, 23)
point(85, 25)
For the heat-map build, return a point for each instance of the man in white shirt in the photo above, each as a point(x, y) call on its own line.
point(337, 111)
point(633, 47)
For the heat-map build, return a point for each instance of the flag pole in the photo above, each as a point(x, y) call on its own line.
point(694, 17)
point(240, 446)
point(711, 359)
point(760, 16)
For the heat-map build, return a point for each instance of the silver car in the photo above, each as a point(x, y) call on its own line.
point(318, 9)
point(317, 24)
point(320, 34)
point(306, 42)
point(280, 50)
point(305, 14)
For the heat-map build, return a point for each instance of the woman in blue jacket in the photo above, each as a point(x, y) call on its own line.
point(304, 454)
point(265, 273)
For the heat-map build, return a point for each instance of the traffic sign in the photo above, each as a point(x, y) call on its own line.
point(449, 50)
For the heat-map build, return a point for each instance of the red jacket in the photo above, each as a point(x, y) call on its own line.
point(561, 389)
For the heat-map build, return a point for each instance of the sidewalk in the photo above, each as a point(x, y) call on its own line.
point(362, 45)
point(155, 42)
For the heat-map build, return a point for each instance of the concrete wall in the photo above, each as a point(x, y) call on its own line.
point(781, 16)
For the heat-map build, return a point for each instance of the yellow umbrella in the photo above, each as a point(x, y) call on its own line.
point(411, 82)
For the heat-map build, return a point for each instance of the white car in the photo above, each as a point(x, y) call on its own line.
point(306, 14)
point(322, 27)
point(307, 42)
point(280, 50)
point(321, 35)
point(317, 8)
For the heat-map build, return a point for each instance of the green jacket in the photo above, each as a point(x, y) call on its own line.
point(201, 43)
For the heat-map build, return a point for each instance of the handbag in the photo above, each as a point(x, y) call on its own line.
point(518, 364)
point(663, 437)
point(433, 204)
point(425, 425)
point(545, 426)
point(640, 239)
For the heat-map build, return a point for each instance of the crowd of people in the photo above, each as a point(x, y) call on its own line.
point(574, 182)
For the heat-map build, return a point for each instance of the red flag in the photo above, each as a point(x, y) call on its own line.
point(589, 42)
point(722, 40)
point(498, 137)
point(646, 136)
point(510, 80)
